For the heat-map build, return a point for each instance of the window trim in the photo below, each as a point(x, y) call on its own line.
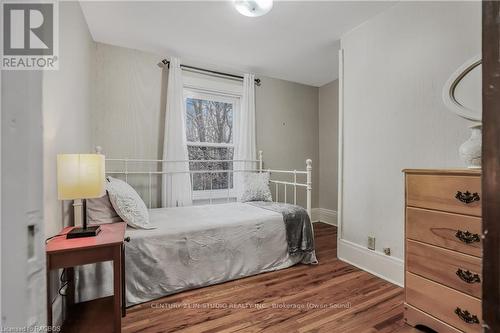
point(213, 194)
point(212, 95)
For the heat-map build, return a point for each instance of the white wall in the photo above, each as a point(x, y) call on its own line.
point(66, 108)
point(66, 116)
point(328, 145)
point(395, 66)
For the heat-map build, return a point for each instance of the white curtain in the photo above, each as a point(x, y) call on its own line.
point(176, 188)
point(244, 148)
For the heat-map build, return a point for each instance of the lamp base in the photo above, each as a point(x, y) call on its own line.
point(84, 232)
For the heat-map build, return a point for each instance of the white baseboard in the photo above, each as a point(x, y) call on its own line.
point(324, 215)
point(315, 215)
point(385, 267)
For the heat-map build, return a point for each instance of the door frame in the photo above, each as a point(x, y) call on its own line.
point(491, 165)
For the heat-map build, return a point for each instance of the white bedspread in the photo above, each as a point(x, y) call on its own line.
point(193, 247)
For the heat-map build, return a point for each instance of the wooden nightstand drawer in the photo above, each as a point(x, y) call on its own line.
point(453, 307)
point(450, 193)
point(452, 231)
point(456, 270)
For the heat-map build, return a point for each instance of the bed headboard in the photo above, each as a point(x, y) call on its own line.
point(148, 170)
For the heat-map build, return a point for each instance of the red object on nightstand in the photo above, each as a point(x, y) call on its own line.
point(68, 253)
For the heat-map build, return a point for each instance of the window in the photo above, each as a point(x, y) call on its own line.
point(210, 136)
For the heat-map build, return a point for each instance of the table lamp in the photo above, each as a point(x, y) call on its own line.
point(80, 177)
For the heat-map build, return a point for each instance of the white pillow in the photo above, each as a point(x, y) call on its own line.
point(128, 204)
point(256, 187)
point(100, 211)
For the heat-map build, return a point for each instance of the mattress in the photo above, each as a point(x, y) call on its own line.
point(193, 247)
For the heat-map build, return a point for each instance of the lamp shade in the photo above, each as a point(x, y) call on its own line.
point(80, 176)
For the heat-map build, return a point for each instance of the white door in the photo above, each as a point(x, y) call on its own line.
point(22, 230)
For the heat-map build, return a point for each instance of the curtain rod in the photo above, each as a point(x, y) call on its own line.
point(165, 62)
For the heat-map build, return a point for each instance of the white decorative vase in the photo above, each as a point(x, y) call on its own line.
point(470, 150)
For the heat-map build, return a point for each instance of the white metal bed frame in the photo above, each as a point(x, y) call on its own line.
point(295, 183)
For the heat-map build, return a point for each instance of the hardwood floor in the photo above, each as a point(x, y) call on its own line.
point(330, 297)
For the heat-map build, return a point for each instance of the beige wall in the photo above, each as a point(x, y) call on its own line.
point(128, 113)
point(328, 145)
point(127, 109)
point(287, 127)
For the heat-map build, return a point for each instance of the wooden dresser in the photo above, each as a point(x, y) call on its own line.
point(443, 250)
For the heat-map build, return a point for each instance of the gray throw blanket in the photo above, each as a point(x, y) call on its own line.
point(299, 232)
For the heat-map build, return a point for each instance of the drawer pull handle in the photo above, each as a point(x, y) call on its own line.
point(466, 316)
point(467, 197)
point(468, 276)
point(467, 237)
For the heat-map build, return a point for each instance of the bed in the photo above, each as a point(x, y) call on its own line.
point(197, 246)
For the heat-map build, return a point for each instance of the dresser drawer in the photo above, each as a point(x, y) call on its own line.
point(446, 304)
point(457, 194)
point(456, 270)
point(452, 231)
point(414, 317)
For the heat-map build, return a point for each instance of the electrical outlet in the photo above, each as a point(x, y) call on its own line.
point(387, 251)
point(371, 243)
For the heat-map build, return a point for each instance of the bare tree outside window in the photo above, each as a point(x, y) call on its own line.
point(209, 131)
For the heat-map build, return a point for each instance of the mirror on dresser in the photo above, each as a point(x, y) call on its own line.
point(462, 94)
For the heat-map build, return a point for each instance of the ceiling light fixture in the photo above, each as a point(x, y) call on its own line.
point(253, 8)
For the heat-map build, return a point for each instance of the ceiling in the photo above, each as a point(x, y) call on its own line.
point(296, 41)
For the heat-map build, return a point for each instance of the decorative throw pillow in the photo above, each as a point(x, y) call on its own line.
point(256, 187)
point(100, 211)
point(128, 204)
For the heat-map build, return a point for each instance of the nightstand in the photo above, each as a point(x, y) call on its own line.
point(68, 253)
